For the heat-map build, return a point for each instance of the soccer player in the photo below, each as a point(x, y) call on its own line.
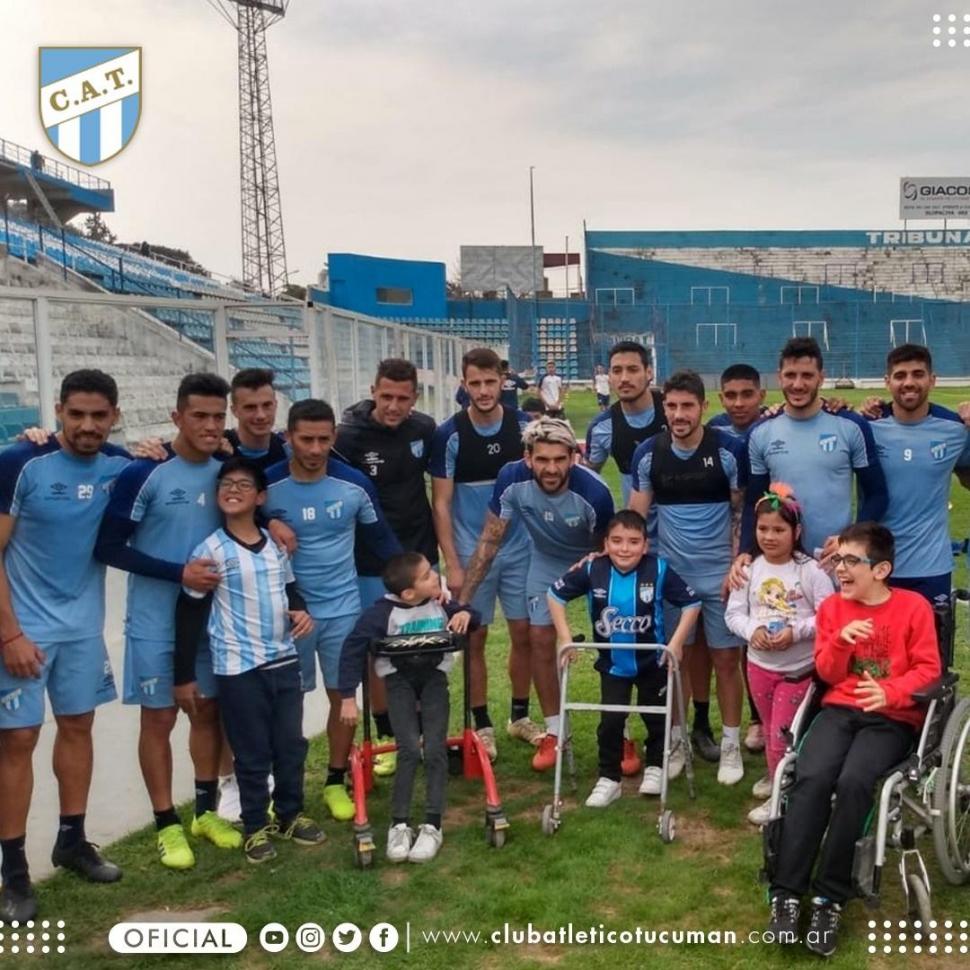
point(601, 385)
point(51, 623)
point(324, 500)
point(920, 445)
point(817, 452)
point(743, 400)
point(551, 390)
point(637, 414)
point(253, 402)
point(158, 513)
point(565, 509)
point(467, 453)
point(696, 477)
point(512, 383)
point(390, 442)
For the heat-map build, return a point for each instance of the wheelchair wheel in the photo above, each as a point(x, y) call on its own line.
point(951, 798)
point(919, 900)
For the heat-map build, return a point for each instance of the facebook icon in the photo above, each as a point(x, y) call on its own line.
point(383, 937)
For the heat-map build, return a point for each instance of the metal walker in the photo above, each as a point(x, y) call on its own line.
point(666, 825)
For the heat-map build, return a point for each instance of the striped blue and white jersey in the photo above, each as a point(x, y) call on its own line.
point(249, 624)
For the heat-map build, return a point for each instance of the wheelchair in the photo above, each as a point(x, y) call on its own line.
point(928, 793)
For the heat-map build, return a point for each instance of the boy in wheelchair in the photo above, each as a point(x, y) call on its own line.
point(874, 648)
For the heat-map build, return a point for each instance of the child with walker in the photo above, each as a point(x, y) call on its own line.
point(874, 648)
point(410, 606)
point(774, 611)
point(627, 589)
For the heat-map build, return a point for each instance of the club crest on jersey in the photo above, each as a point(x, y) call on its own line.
point(646, 592)
point(417, 448)
point(90, 100)
point(11, 700)
point(827, 442)
point(334, 509)
point(938, 450)
point(572, 521)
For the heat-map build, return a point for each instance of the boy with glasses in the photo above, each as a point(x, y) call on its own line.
point(874, 647)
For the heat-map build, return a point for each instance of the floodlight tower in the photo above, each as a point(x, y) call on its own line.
point(263, 248)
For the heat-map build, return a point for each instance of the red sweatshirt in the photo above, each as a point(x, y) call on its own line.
point(902, 653)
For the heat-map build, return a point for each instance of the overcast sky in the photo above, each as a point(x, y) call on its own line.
point(407, 127)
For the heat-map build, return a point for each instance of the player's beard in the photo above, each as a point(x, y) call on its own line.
point(556, 485)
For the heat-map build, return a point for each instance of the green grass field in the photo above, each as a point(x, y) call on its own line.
point(604, 868)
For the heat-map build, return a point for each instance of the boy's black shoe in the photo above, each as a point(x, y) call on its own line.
point(258, 847)
point(785, 911)
point(85, 859)
point(17, 904)
point(705, 745)
point(303, 831)
point(823, 930)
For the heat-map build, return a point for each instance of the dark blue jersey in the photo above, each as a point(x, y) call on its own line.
point(626, 608)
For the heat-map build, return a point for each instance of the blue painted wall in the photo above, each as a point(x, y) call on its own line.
point(355, 280)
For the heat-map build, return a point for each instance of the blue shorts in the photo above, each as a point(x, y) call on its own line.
point(716, 631)
point(603, 400)
point(542, 574)
point(505, 582)
point(934, 589)
point(150, 672)
point(77, 676)
point(326, 642)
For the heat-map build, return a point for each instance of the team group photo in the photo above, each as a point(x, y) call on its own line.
point(483, 487)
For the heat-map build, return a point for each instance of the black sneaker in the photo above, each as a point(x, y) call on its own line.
point(85, 859)
point(258, 847)
point(705, 745)
point(823, 930)
point(303, 831)
point(17, 905)
point(785, 911)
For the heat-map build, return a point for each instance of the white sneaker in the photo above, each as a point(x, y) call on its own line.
point(604, 791)
point(230, 807)
point(525, 729)
point(730, 769)
point(399, 840)
point(426, 845)
point(677, 759)
point(762, 788)
point(652, 779)
point(760, 815)
point(487, 738)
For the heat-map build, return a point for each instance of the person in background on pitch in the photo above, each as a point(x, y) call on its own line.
point(601, 387)
point(411, 605)
point(552, 391)
point(252, 617)
point(626, 590)
point(774, 613)
point(874, 648)
point(390, 443)
point(52, 497)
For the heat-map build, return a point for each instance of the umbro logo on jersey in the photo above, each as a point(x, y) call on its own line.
point(777, 447)
point(231, 564)
point(58, 488)
point(938, 450)
point(11, 700)
point(373, 458)
point(827, 442)
point(599, 593)
point(177, 496)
